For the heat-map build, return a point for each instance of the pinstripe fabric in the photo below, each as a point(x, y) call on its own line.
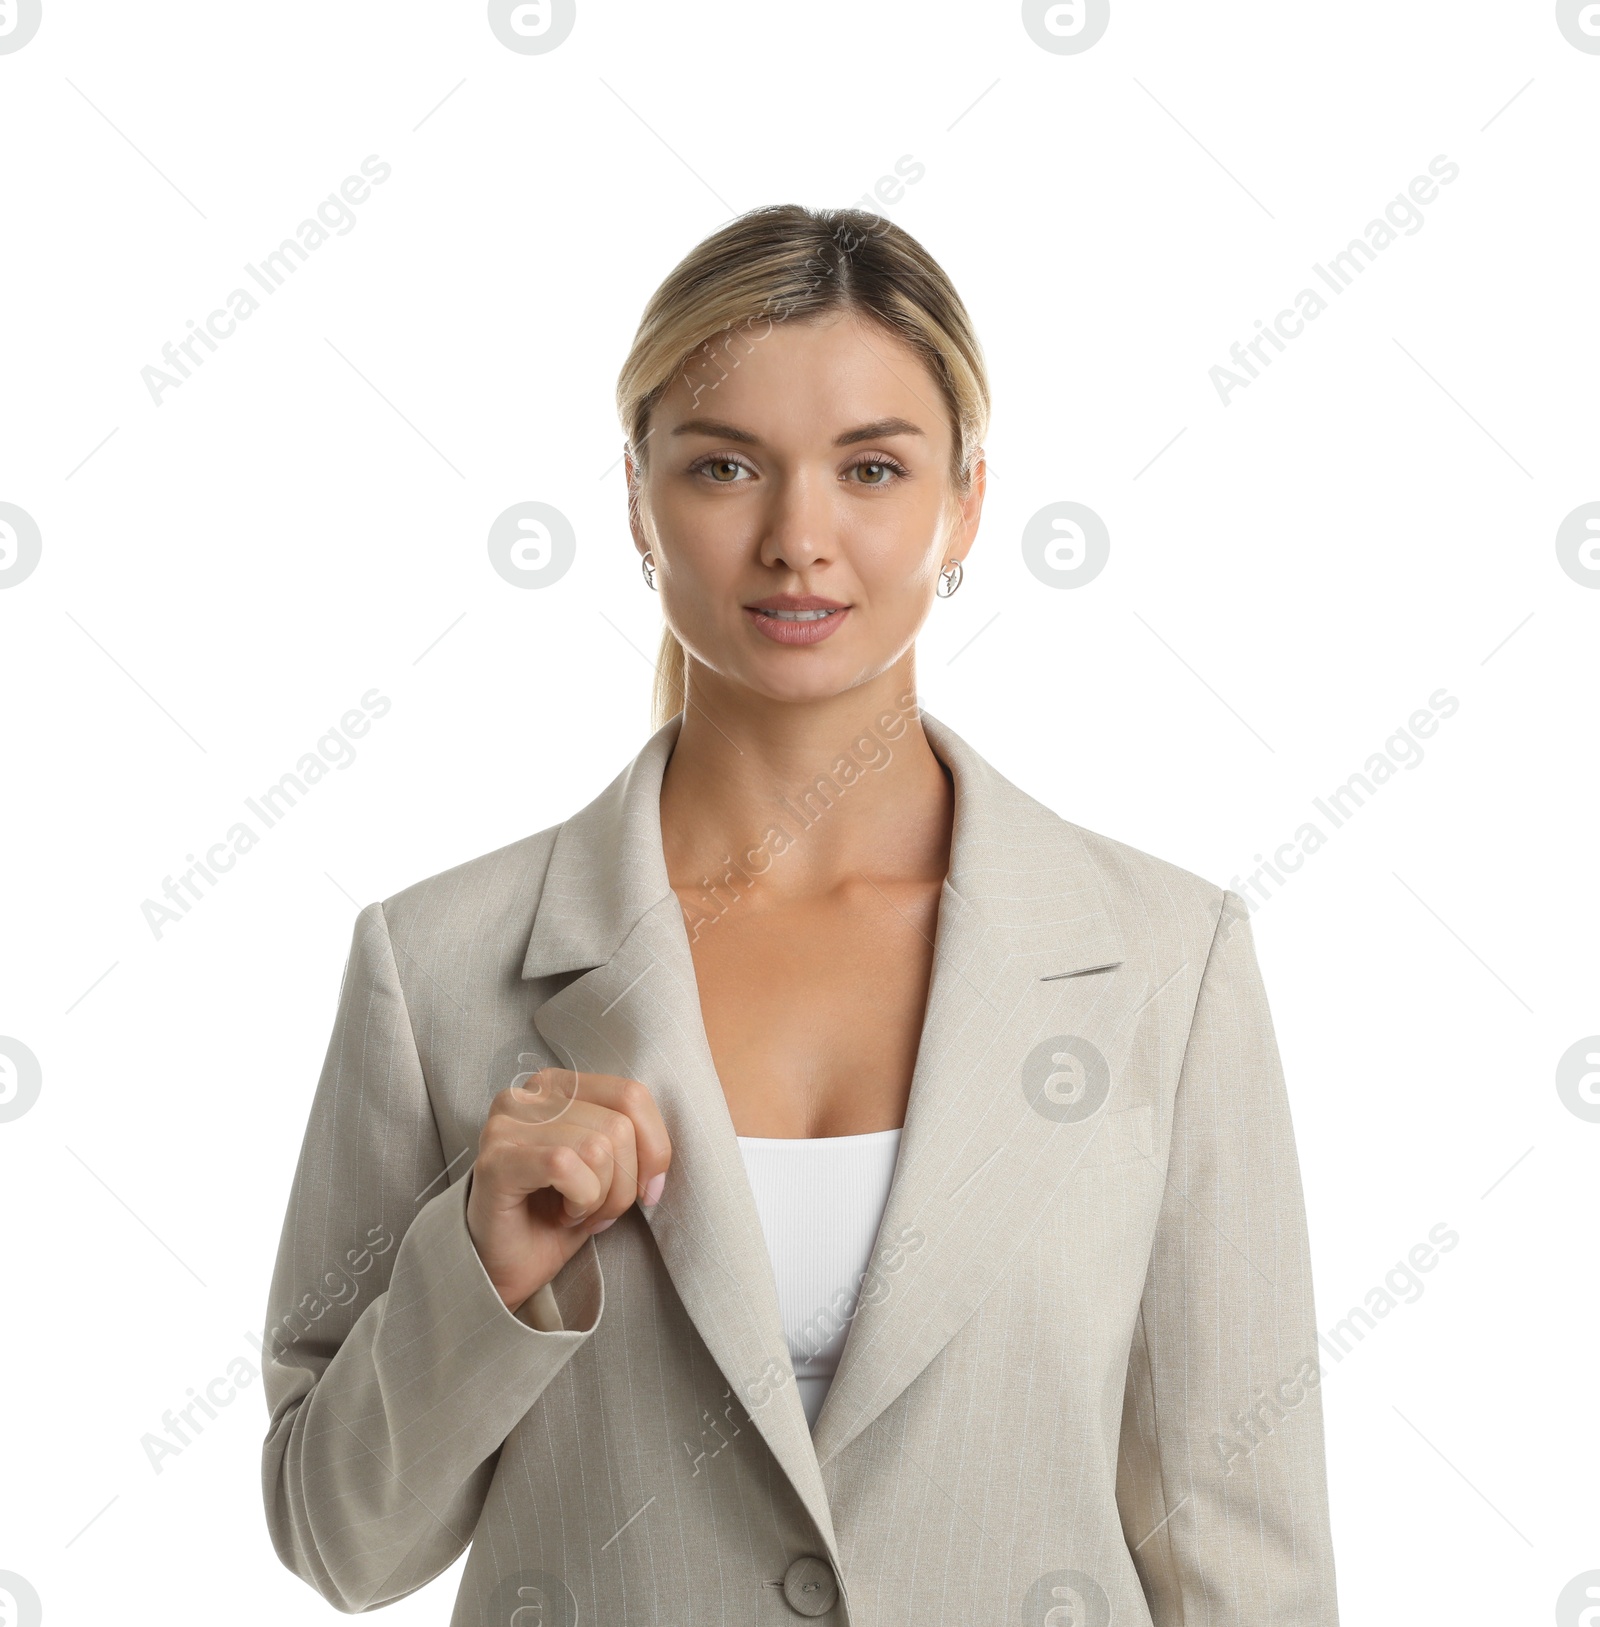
point(1079, 1385)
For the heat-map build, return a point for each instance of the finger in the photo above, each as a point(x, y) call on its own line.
point(620, 1169)
point(516, 1160)
point(559, 1093)
point(552, 1093)
point(616, 1127)
point(652, 1146)
point(546, 1095)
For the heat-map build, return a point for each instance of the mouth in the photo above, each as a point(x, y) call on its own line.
point(797, 615)
point(806, 621)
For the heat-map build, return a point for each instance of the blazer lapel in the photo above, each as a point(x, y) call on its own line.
point(1018, 1079)
point(608, 906)
point(1026, 954)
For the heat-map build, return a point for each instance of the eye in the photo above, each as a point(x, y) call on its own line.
point(722, 471)
point(877, 470)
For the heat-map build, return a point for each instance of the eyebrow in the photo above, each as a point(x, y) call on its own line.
point(878, 430)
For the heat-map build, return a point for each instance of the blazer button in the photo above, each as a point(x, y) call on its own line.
point(809, 1586)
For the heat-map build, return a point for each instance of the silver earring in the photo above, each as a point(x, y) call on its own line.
point(649, 569)
point(949, 580)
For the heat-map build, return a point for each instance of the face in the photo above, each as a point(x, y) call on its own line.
point(808, 471)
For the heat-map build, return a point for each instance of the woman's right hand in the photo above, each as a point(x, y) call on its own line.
point(559, 1159)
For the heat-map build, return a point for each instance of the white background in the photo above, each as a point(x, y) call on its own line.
point(1290, 579)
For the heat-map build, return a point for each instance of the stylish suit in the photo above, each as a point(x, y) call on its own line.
point(1079, 1387)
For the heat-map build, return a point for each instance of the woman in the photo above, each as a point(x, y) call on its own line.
point(895, 1215)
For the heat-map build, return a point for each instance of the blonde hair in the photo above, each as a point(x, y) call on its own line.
point(782, 262)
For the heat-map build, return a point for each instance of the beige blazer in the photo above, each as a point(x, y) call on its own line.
point(1079, 1387)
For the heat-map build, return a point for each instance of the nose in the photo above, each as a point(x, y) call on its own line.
point(798, 525)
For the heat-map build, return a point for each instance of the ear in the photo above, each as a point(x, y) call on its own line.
point(969, 510)
point(635, 520)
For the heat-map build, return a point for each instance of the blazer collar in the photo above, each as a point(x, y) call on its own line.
point(1007, 855)
point(606, 867)
point(1023, 923)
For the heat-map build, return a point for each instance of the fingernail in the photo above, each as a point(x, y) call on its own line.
point(602, 1226)
point(652, 1191)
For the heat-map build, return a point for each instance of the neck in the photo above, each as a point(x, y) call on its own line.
point(789, 799)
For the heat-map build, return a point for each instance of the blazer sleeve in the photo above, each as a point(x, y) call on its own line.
point(393, 1370)
point(1221, 1478)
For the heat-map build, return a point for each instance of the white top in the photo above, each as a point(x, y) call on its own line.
point(820, 1199)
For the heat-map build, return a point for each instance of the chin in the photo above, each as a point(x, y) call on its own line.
point(819, 683)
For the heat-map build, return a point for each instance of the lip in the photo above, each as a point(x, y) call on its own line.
point(796, 601)
point(796, 632)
